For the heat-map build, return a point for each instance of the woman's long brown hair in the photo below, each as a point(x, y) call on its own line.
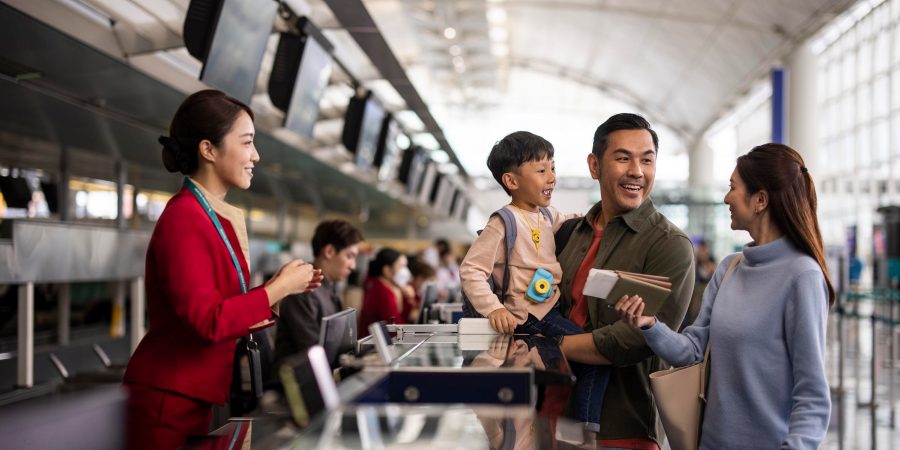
point(780, 171)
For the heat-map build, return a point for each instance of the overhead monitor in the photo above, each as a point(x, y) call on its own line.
point(338, 335)
point(16, 192)
point(230, 37)
point(445, 196)
point(362, 127)
point(299, 77)
point(427, 182)
point(51, 194)
point(462, 210)
point(387, 150)
point(412, 168)
point(455, 202)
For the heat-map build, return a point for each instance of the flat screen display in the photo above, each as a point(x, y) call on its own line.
point(388, 150)
point(444, 194)
point(338, 335)
point(412, 168)
point(312, 79)
point(238, 45)
point(369, 130)
point(427, 182)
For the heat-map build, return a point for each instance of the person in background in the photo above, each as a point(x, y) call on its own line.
point(335, 248)
point(197, 275)
point(704, 267)
point(765, 324)
point(387, 293)
point(422, 276)
point(447, 272)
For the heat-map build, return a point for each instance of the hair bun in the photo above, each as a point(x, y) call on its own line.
point(172, 156)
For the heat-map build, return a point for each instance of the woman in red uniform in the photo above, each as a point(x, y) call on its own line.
point(387, 292)
point(196, 277)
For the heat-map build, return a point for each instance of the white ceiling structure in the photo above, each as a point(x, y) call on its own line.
point(486, 68)
point(559, 67)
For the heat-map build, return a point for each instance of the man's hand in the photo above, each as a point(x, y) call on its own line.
point(502, 320)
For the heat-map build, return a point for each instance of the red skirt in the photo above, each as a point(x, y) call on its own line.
point(160, 419)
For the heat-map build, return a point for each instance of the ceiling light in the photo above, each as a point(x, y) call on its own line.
point(440, 156)
point(455, 50)
point(496, 16)
point(499, 50)
point(458, 61)
point(449, 32)
point(498, 34)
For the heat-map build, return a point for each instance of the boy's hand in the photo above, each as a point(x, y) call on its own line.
point(502, 320)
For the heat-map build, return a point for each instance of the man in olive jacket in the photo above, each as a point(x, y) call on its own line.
point(624, 232)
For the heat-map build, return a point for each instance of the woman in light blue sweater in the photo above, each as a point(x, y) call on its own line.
point(766, 322)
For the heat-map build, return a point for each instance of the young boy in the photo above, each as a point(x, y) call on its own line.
point(522, 163)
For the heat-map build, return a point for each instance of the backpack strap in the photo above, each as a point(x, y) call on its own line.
point(563, 233)
point(546, 212)
point(509, 226)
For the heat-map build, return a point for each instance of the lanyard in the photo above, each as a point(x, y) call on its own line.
point(215, 220)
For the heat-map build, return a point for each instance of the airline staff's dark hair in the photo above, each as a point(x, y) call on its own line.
point(780, 171)
point(384, 258)
point(205, 115)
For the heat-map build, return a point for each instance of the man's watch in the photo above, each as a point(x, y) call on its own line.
point(559, 339)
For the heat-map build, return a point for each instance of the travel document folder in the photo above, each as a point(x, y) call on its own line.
point(611, 285)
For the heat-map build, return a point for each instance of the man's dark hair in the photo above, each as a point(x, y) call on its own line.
point(621, 121)
point(514, 150)
point(340, 234)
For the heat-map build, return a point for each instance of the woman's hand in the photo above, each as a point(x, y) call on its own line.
point(295, 277)
point(631, 310)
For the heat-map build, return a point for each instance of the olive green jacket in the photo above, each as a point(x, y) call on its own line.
point(643, 241)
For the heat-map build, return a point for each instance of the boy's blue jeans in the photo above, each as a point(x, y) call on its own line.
point(592, 380)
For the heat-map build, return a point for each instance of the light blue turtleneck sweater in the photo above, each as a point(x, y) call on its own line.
point(767, 386)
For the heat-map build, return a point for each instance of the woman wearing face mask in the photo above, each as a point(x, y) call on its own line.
point(388, 296)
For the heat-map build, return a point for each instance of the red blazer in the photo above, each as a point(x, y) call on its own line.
point(195, 305)
point(380, 303)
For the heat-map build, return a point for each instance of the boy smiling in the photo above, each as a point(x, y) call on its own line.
point(522, 163)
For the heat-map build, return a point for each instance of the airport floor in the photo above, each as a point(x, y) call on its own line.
point(855, 425)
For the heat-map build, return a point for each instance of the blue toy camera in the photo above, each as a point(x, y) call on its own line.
point(541, 287)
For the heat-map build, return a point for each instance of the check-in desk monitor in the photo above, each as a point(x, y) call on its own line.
point(338, 335)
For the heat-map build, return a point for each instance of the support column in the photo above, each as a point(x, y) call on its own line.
point(137, 312)
point(25, 343)
point(65, 313)
point(701, 185)
point(779, 105)
point(117, 324)
point(802, 122)
point(62, 192)
point(121, 181)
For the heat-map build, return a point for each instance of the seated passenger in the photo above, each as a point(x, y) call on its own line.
point(335, 247)
point(523, 165)
point(388, 296)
